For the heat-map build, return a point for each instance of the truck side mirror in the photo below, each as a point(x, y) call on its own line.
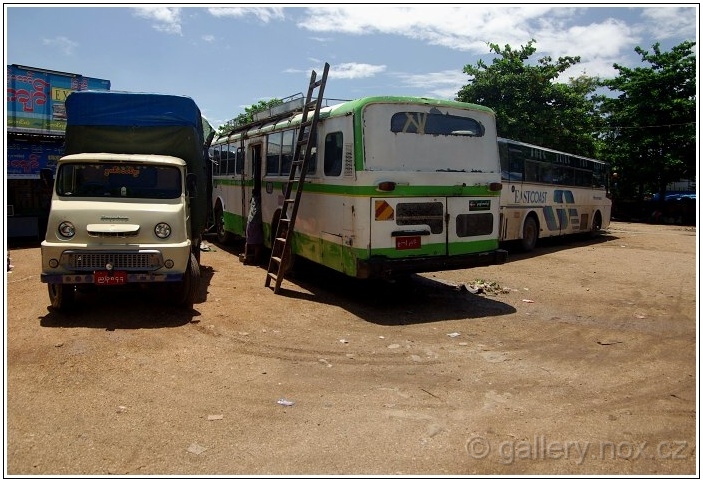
point(47, 177)
point(191, 185)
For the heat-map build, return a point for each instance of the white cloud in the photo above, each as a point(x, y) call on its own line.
point(351, 70)
point(65, 45)
point(265, 14)
point(668, 22)
point(208, 38)
point(471, 27)
point(166, 19)
point(444, 85)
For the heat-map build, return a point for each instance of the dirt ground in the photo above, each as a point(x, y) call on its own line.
point(578, 358)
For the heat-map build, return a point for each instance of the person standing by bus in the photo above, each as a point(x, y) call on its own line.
point(254, 230)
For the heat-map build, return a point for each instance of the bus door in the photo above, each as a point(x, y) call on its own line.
point(407, 227)
point(567, 214)
point(252, 179)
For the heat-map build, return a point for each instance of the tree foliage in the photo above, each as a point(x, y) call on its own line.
point(530, 104)
point(651, 120)
point(247, 116)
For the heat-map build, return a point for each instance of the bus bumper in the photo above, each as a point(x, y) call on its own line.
point(382, 267)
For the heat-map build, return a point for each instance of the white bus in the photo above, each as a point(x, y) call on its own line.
point(550, 193)
point(396, 185)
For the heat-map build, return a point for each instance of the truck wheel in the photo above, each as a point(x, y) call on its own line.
point(61, 296)
point(529, 234)
point(187, 290)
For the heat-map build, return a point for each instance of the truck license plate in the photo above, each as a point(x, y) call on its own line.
point(110, 277)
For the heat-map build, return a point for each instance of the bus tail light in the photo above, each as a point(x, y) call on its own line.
point(386, 186)
point(495, 186)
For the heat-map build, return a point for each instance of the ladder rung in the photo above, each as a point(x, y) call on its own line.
point(279, 249)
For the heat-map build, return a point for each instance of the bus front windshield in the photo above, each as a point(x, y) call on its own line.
point(118, 180)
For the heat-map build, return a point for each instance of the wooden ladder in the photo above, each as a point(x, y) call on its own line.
point(281, 250)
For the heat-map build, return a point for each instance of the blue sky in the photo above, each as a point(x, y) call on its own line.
point(227, 57)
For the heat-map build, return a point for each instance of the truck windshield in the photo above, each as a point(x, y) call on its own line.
point(118, 180)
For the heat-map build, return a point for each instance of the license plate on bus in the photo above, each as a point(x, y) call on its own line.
point(408, 242)
point(110, 277)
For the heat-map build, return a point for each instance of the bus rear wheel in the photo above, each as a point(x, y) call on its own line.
point(530, 233)
point(597, 224)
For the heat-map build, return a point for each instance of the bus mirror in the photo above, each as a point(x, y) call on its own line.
point(191, 185)
point(47, 177)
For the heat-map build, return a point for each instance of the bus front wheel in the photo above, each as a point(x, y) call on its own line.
point(530, 233)
point(223, 236)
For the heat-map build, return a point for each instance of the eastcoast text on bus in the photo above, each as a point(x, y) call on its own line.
point(396, 185)
point(550, 193)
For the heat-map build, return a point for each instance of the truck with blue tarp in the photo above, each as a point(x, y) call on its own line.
point(129, 201)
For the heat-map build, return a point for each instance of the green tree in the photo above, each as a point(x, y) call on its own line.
point(651, 120)
point(530, 104)
point(247, 116)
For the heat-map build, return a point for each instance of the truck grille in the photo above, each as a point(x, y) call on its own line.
point(90, 261)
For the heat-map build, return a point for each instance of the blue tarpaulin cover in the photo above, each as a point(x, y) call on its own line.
point(114, 108)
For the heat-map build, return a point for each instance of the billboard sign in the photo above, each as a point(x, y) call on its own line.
point(36, 97)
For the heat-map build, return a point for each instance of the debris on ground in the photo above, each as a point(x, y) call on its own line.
point(285, 403)
point(196, 449)
point(480, 286)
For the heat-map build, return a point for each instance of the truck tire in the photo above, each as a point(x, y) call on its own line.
point(61, 296)
point(187, 290)
point(530, 233)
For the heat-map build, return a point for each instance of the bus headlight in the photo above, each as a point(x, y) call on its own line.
point(162, 230)
point(67, 229)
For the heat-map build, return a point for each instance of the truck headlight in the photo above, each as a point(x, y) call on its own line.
point(162, 230)
point(67, 229)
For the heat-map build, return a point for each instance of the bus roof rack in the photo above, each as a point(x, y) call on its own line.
point(294, 104)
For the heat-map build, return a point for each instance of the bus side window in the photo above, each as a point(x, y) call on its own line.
point(531, 171)
point(231, 149)
point(240, 161)
point(545, 172)
point(287, 149)
point(333, 154)
point(273, 154)
point(215, 161)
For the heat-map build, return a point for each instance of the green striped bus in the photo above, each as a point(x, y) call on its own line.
point(395, 185)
